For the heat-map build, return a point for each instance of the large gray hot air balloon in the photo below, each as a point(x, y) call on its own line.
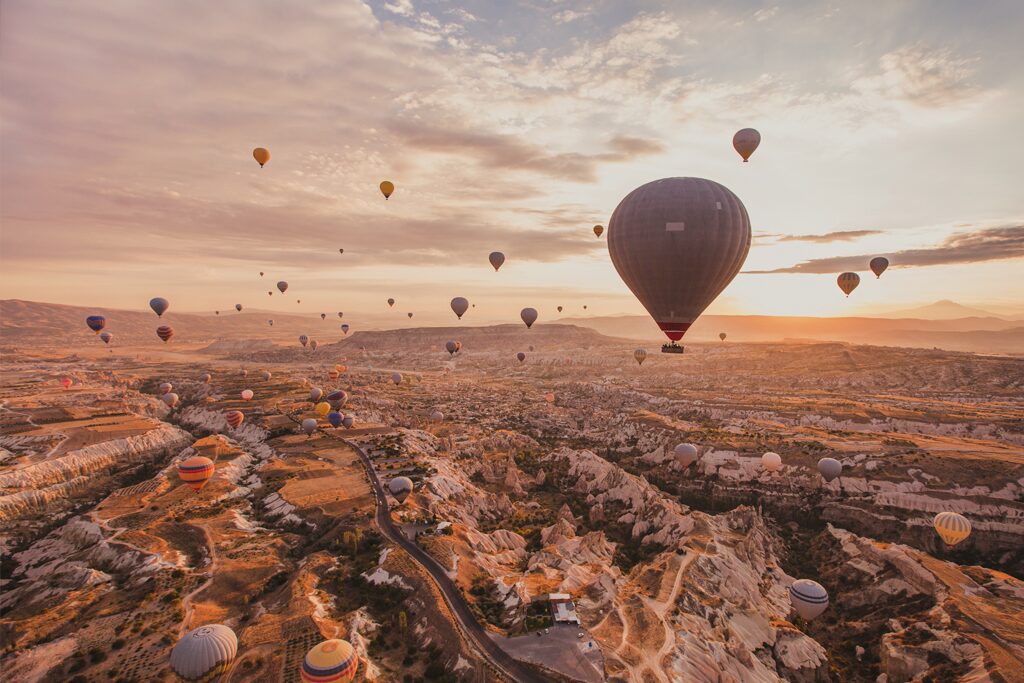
point(400, 488)
point(830, 468)
point(460, 305)
point(496, 258)
point(745, 142)
point(159, 305)
point(309, 425)
point(204, 653)
point(677, 243)
point(451, 347)
point(529, 316)
point(809, 598)
point(686, 454)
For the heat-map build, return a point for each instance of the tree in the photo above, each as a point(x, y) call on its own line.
point(403, 620)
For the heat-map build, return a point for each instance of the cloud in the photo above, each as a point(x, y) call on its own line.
point(926, 77)
point(838, 236)
point(402, 8)
point(992, 244)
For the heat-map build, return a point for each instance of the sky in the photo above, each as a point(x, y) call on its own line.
point(127, 130)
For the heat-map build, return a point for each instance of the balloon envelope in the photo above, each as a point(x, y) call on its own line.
point(204, 653)
point(315, 393)
point(459, 306)
point(677, 243)
point(96, 322)
point(952, 527)
point(721, 335)
point(878, 265)
point(266, 375)
point(387, 188)
point(335, 418)
point(170, 399)
point(283, 286)
point(396, 377)
point(159, 305)
point(247, 394)
point(238, 307)
point(686, 454)
point(261, 156)
point(337, 399)
point(67, 382)
point(809, 598)
point(746, 141)
point(303, 339)
point(640, 355)
point(521, 356)
point(345, 328)
point(437, 416)
point(165, 333)
point(321, 409)
point(830, 468)
point(598, 230)
point(400, 488)
point(529, 316)
point(309, 424)
point(195, 471)
point(848, 282)
point(771, 461)
point(451, 347)
point(166, 387)
point(496, 258)
point(205, 379)
point(348, 421)
point(332, 661)
point(234, 418)
point(391, 302)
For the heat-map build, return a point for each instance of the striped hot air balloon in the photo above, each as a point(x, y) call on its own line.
point(333, 375)
point(332, 661)
point(96, 323)
point(234, 418)
point(952, 527)
point(165, 333)
point(640, 355)
point(848, 282)
point(809, 598)
point(204, 653)
point(400, 488)
point(195, 472)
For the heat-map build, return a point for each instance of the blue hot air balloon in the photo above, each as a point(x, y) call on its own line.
point(96, 323)
point(159, 305)
point(335, 418)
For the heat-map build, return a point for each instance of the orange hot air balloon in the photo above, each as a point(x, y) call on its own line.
point(333, 374)
point(261, 156)
point(598, 230)
point(549, 397)
point(66, 382)
point(234, 418)
point(195, 472)
point(387, 188)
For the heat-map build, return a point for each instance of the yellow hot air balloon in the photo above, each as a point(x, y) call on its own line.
point(323, 408)
point(386, 188)
point(952, 527)
point(261, 155)
point(598, 230)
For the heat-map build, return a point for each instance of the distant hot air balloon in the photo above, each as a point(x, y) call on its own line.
point(531, 347)
point(396, 377)
point(323, 316)
point(348, 421)
point(234, 418)
point(309, 424)
point(216, 312)
point(771, 461)
point(205, 379)
point(450, 347)
point(721, 335)
point(458, 345)
point(96, 323)
point(345, 328)
point(549, 397)
point(195, 472)
point(313, 343)
point(332, 661)
point(341, 251)
point(409, 314)
point(266, 375)
point(261, 273)
point(105, 337)
point(315, 393)
point(686, 454)
point(584, 307)
point(387, 188)
point(238, 307)
point(341, 314)
point(496, 258)
point(745, 142)
point(166, 387)
point(270, 294)
point(322, 408)
point(270, 322)
point(559, 309)
point(159, 305)
point(677, 243)
point(66, 382)
point(459, 306)
point(337, 399)
point(261, 156)
point(298, 301)
point(164, 332)
point(204, 653)
point(878, 265)
point(391, 302)
point(952, 527)
point(848, 282)
point(282, 286)
point(598, 230)
point(830, 468)
point(341, 368)
point(400, 488)
point(333, 374)
point(809, 598)
point(170, 399)
point(243, 372)
point(640, 355)
point(303, 339)
point(247, 394)
point(437, 416)
point(335, 418)
point(529, 316)
point(521, 356)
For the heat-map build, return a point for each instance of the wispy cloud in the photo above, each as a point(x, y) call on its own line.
point(838, 236)
point(993, 244)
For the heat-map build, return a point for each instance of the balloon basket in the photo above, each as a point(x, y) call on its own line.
point(671, 348)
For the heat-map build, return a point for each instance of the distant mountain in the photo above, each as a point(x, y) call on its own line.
point(940, 310)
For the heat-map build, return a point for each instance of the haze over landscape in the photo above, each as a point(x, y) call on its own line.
point(428, 341)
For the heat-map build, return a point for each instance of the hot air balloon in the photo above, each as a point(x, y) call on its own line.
point(303, 339)
point(333, 374)
point(830, 468)
point(878, 265)
point(345, 328)
point(337, 398)
point(170, 399)
point(529, 316)
point(298, 301)
point(686, 454)
point(451, 347)
point(809, 598)
point(459, 306)
point(238, 307)
point(96, 323)
point(952, 527)
point(559, 309)
point(549, 397)
point(771, 461)
point(282, 286)
point(166, 387)
point(313, 344)
point(67, 382)
point(159, 305)
point(458, 345)
point(270, 294)
point(261, 156)
point(745, 142)
point(387, 188)
point(677, 243)
point(396, 377)
point(848, 282)
point(315, 393)
point(409, 314)
point(531, 347)
point(496, 258)
point(640, 355)
point(348, 421)
point(437, 416)
point(195, 472)
point(584, 307)
point(598, 230)
point(400, 488)
point(266, 375)
point(204, 653)
point(391, 302)
point(521, 356)
point(309, 424)
point(243, 372)
point(341, 368)
point(261, 273)
point(247, 394)
point(332, 661)
point(234, 418)
point(164, 332)
point(270, 322)
point(340, 314)
point(322, 408)
point(721, 335)
point(341, 251)
point(205, 379)
point(216, 312)
point(335, 418)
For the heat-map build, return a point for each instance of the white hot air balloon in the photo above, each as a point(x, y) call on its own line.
point(204, 653)
point(686, 454)
point(247, 394)
point(809, 598)
point(309, 425)
point(830, 468)
point(437, 416)
point(772, 462)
